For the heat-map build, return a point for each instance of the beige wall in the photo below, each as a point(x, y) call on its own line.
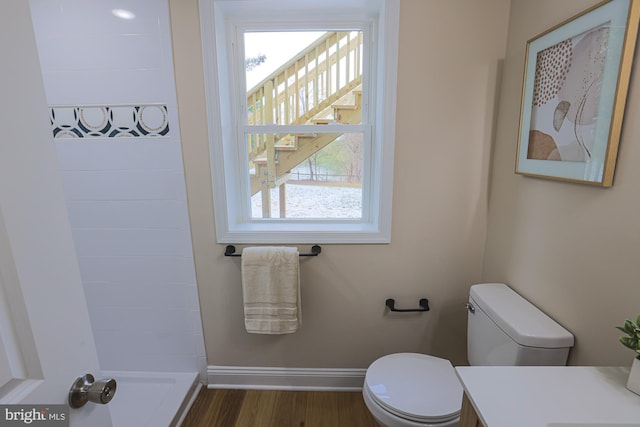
point(574, 250)
point(448, 72)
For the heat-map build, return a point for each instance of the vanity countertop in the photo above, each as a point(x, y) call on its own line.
point(551, 396)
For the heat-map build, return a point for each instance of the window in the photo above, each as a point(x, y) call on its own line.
point(301, 109)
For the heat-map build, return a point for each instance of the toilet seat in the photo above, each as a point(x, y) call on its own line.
point(415, 387)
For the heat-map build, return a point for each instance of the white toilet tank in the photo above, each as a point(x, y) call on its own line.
point(504, 329)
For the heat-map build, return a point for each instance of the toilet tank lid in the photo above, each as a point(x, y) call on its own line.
point(518, 318)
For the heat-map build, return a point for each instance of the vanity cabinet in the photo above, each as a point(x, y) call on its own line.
point(535, 396)
point(468, 416)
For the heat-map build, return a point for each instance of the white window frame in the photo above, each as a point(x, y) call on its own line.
point(221, 22)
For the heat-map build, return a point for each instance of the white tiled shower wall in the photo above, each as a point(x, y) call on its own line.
point(126, 196)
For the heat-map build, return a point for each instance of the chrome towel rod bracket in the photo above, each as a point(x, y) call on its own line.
point(230, 250)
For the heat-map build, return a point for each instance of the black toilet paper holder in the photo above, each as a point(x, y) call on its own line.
point(391, 305)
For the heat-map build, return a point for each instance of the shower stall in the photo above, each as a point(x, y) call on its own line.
point(109, 83)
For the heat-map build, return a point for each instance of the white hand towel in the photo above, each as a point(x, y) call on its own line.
point(271, 290)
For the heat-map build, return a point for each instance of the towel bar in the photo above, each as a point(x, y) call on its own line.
point(230, 250)
point(391, 305)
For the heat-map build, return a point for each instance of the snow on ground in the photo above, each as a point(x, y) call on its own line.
point(314, 201)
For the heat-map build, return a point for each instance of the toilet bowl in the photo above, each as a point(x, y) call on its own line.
point(413, 390)
point(503, 329)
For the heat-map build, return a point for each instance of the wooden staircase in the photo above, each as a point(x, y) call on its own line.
point(322, 85)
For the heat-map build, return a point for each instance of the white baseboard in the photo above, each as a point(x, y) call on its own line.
point(237, 377)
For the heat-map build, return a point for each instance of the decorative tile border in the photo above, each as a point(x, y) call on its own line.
point(109, 121)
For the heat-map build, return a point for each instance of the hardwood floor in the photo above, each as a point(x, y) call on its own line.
point(277, 408)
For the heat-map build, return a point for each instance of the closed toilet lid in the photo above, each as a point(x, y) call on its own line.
point(416, 387)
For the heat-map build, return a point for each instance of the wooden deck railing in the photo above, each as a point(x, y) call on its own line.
point(305, 87)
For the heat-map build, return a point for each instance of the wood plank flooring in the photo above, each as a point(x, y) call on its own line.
point(277, 408)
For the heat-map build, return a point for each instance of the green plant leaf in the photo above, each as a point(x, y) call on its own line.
point(629, 327)
point(632, 330)
point(626, 341)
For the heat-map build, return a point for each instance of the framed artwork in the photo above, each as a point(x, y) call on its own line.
point(574, 92)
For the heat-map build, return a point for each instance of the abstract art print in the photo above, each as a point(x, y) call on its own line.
point(575, 85)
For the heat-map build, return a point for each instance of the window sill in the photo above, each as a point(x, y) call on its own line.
point(303, 232)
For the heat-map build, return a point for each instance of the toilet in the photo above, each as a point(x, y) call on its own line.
point(504, 329)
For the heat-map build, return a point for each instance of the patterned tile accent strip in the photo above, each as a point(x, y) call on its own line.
point(109, 121)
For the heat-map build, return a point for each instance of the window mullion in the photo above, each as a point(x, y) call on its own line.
point(279, 129)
